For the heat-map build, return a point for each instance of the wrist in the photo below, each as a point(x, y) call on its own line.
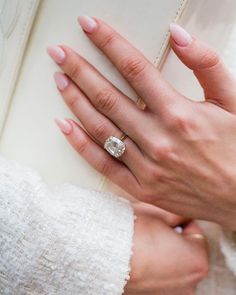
point(227, 221)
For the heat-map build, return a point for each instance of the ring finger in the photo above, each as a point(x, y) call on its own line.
point(104, 96)
point(97, 125)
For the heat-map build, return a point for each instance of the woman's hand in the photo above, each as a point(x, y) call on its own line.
point(180, 155)
point(165, 262)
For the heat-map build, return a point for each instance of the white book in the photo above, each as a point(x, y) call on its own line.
point(16, 20)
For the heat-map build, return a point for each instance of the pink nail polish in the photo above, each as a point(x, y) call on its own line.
point(56, 53)
point(87, 23)
point(61, 81)
point(64, 125)
point(180, 36)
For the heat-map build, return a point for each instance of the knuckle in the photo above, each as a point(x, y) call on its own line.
point(132, 67)
point(81, 146)
point(181, 120)
point(72, 100)
point(105, 167)
point(209, 59)
point(108, 40)
point(150, 178)
point(161, 151)
point(201, 269)
point(158, 177)
point(74, 72)
point(100, 131)
point(106, 100)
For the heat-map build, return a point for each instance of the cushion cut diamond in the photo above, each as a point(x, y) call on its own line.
point(114, 146)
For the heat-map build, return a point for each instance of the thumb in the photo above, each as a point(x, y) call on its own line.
point(218, 83)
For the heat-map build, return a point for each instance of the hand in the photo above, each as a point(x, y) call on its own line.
point(180, 155)
point(165, 262)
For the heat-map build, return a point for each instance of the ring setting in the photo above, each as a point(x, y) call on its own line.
point(115, 146)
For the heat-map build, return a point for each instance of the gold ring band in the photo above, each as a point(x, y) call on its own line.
point(196, 236)
point(140, 103)
point(123, 136)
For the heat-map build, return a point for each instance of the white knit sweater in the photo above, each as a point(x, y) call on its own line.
point(228, 246)
point(64, 241)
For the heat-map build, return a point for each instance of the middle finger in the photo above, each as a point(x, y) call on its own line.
point(105, 97)
point(98, 126)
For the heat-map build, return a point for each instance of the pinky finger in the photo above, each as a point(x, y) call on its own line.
point(97, 157)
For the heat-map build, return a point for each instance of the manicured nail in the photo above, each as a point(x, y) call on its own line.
point(56, 53)
point(64, 125)
point(180, 36)
point(61, 81)
point(87, 23)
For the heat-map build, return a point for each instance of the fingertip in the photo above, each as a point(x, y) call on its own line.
point(87, 23)
point(64, 125)
point(61, 80)
point(179, 35)
point(56, 53)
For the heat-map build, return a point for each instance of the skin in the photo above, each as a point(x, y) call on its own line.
point(180, 154)
point(165, 262)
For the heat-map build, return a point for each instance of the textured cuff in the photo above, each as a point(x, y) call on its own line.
point(62, 241)
point(228, 246)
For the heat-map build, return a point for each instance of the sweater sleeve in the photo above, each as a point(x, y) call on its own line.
point(61, 241)
point(228, 246)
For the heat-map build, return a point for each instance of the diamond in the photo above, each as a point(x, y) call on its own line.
point(114, 146)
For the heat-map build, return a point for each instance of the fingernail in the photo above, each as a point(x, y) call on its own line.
point(56, 53)
point(61, 81)
point(180, 36)
point(64, 125)
point(87, 23)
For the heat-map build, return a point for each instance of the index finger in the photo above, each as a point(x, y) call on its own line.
point(142, 75)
